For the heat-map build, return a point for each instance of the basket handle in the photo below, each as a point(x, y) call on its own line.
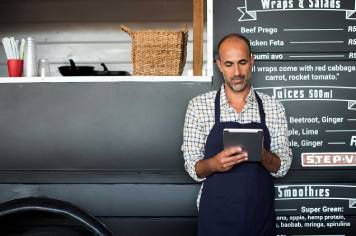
point(125, 29)
point(185, 28)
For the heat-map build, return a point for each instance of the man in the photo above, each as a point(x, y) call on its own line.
point(237, 197)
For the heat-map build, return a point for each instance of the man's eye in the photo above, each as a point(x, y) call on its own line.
point(228, 64)
point(243, 62)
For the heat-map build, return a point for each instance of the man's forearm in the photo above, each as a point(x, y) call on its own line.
point(270, 161)
point(204, 168)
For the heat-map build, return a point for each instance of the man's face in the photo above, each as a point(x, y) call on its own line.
point(235, 63)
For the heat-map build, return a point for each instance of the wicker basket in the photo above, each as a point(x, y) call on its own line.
point(158, 52)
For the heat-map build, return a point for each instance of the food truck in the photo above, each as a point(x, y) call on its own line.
point(99, 153)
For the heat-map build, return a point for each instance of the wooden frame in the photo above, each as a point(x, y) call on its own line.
point(198, 27)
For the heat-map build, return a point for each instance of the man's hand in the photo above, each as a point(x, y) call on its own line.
point(228, 158)
point(270, 161)
point(221, 162)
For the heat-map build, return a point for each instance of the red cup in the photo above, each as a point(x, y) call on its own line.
point(15, 67)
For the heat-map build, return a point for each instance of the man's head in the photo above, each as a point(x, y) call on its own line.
point(235, 61)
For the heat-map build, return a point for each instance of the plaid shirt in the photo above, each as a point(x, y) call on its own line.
point(199, 120)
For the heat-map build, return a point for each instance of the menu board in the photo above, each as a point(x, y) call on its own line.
point(326, 209)
point(305, 56)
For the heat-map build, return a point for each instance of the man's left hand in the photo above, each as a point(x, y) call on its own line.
point(270, 161)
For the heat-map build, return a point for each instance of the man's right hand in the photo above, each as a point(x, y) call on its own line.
point(221, 162)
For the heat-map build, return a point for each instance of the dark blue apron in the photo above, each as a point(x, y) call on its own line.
point(239, 202)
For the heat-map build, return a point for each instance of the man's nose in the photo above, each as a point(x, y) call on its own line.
point(237, 70)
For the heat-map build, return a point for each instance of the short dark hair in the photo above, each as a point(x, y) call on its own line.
point(233, 35)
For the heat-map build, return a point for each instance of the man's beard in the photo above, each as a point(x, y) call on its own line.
point(244, 82)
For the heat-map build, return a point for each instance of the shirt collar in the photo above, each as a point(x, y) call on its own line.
point(224, 102)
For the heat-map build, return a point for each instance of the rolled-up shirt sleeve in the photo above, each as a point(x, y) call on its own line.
point(193, 140)
point(279, 141)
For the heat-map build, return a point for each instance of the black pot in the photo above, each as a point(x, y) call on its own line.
point(74, 70)
point(106, 72)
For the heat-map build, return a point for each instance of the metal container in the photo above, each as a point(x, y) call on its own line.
point(30, 60)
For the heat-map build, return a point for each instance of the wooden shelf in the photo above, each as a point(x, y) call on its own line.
point(83, 79)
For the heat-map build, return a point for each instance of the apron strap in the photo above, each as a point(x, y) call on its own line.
point(260, 109)
point(217, 107)
point(267, 135)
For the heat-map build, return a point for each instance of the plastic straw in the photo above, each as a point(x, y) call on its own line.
point(13, 49)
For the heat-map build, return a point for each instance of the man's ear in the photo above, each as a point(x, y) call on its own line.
point(252, 59)
point(218, 63)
